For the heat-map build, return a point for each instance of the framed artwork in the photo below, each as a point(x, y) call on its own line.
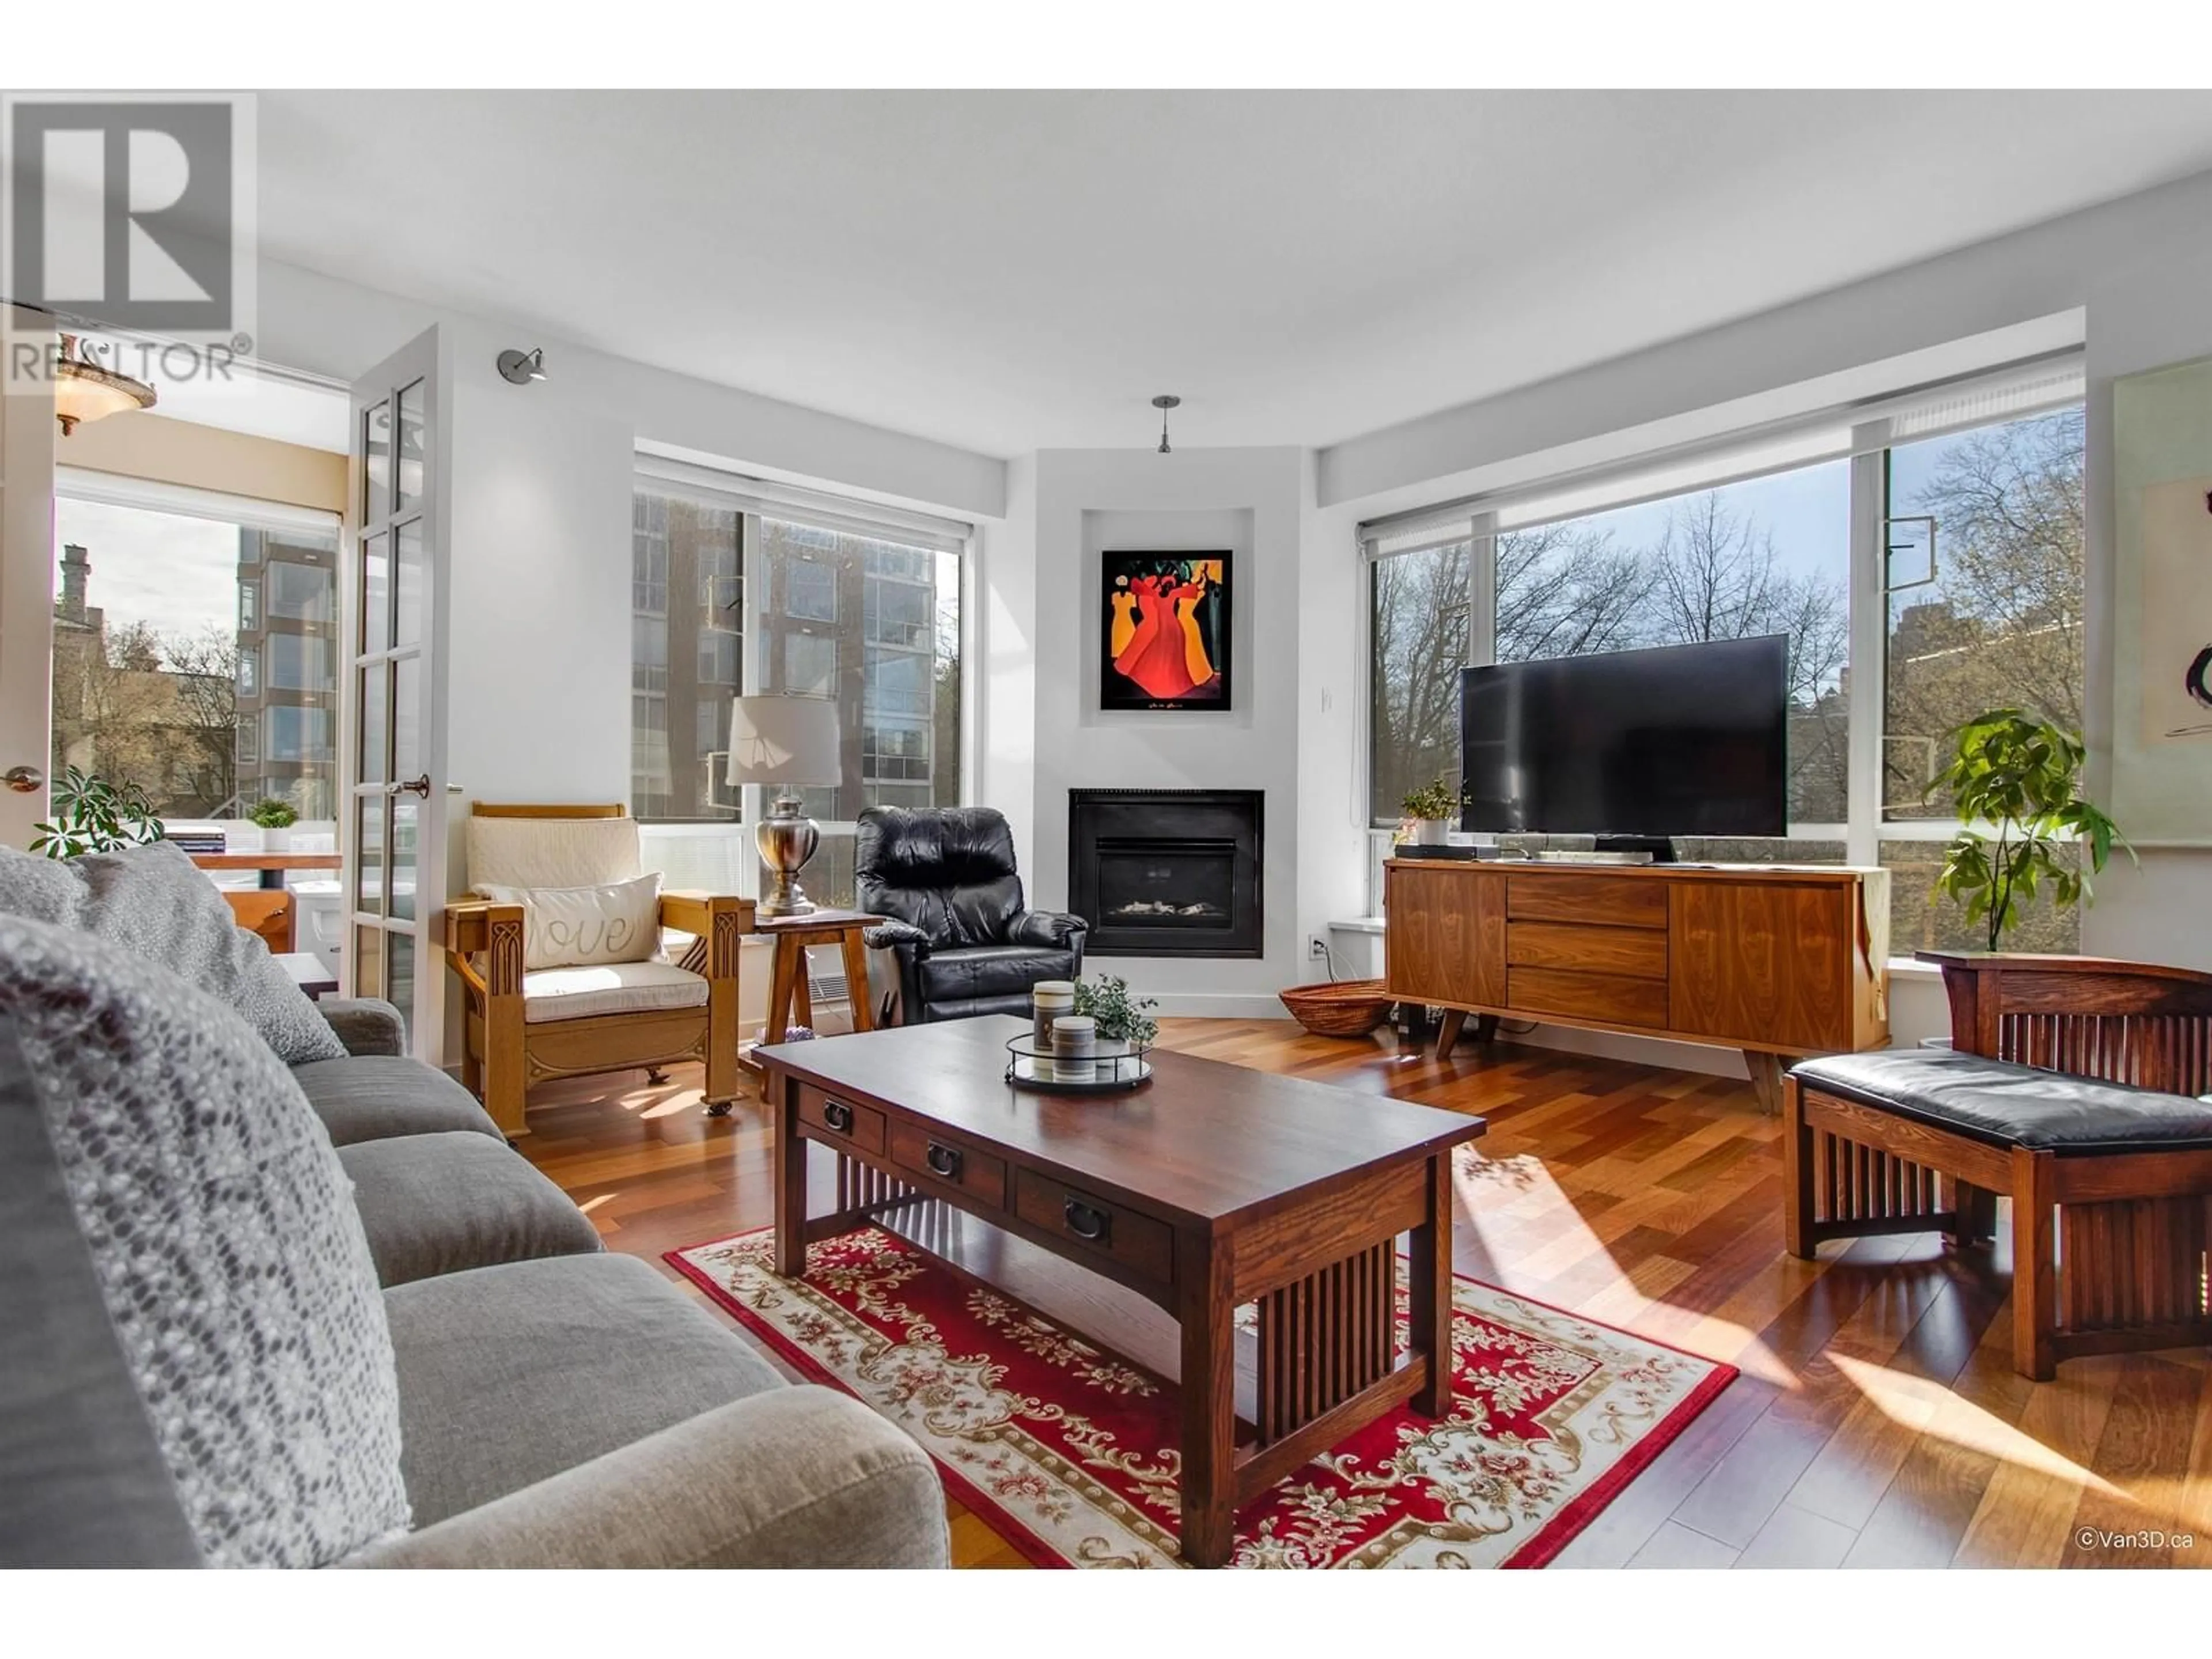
point(1165, 623)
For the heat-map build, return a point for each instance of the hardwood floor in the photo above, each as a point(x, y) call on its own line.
point(1878, 1420)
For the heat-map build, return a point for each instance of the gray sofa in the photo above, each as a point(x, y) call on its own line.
point(548, 1404)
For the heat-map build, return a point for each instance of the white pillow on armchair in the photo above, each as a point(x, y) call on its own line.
point(585, 926)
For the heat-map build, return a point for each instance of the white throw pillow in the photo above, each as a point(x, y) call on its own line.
point(585, 926)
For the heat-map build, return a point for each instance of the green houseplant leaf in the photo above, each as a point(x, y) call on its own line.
point(2020, 774)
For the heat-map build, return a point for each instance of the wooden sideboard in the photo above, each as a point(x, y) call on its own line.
point(1772, 960)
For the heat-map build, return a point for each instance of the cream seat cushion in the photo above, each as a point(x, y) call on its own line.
point(617, 988)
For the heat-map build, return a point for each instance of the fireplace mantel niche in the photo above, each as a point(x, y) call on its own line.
point(1167, 872)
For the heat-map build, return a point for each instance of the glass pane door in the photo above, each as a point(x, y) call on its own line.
point(395, 753)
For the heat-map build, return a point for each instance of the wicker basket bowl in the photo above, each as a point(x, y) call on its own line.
point(1349, 1008)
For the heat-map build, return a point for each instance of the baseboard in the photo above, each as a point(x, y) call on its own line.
point(1197, 1005)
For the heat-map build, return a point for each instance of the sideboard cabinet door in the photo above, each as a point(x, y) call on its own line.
point(1769, 962)
point(1445, 936)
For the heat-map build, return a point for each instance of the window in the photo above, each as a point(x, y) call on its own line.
point(809, 664)
point(249, 672)
point(299, 662)
point(809, 590)
point(895, 612)
point(295, 732)
point(1980, 608)
point(299, 591)
point(719, 655)
point(1985, 558)
point(249, 606)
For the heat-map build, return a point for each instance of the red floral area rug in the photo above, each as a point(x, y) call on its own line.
point(1069, 1451)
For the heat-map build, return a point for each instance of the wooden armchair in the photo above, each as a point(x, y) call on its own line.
point(523, 1028)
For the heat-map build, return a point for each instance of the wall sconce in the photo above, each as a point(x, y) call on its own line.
point(1164, 402)
point(523, 367)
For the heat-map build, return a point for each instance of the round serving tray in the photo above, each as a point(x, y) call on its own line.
point(1029, 1065)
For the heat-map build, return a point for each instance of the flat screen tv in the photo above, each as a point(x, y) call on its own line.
point(1632, 746)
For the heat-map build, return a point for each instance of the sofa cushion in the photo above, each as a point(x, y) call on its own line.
point(987, 972)
point(154, 903)
point(2007, 1105)
point(225, 1246)
point(86, 1481)
point(619, 987)
point(578, 926)
point(445, 1203)
point(370, 1097)
point(508, 1375)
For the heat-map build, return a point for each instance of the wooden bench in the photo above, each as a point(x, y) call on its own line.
point(2069, 1089)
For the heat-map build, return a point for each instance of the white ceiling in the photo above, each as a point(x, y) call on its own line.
point(1014, 271)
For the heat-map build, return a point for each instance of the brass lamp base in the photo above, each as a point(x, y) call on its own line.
point(787, 838)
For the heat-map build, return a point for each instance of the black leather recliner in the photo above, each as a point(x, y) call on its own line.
point(964, 944)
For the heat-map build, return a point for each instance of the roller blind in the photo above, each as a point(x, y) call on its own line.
point(735, 490)
point(114, 489)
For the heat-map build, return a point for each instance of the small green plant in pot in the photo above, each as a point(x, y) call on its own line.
point(1429, 813)
point(1123, 1022)
point(2021, 774)
point(276, 818)
point(93, 815)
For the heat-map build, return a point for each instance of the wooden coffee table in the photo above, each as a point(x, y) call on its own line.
point(1210, 1187)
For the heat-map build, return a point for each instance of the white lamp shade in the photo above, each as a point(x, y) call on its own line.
point(793, 741)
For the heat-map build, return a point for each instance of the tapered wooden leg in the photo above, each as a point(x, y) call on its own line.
point(1765, 1071)
point(802, 985)
point(1429, 1286)
point(856, 981)
point(1796, 1173)
point(2034, 1277)
point(790, 1179)
point(1209, 1402)
point(779, 990)
point(1485, 1027)
point(1448, 1034)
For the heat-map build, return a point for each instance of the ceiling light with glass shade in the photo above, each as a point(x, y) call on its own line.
point(87, 391)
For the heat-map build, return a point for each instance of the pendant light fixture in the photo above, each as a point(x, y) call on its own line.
point(1164, 402)
point(85, 390)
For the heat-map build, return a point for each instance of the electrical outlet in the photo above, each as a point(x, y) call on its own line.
point(1317, 949)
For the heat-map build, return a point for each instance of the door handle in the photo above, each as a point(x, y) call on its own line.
point(419, 787)
point(23, 779)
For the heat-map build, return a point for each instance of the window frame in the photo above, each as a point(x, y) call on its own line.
point(928, 538)
point(1868, 448)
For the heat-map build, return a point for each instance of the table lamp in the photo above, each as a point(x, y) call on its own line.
point(791, 743)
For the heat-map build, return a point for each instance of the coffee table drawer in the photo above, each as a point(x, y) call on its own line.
point(1142, 1243)
point(950, 1162)
point(834, 1120)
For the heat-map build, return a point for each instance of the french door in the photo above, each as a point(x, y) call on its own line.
point(394, 745)
point(27, 586)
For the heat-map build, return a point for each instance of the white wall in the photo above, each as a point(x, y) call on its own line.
point(1250, 502)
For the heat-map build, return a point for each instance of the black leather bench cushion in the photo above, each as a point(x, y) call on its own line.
point(2009, 1105)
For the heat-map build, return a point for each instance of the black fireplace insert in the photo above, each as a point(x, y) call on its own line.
point(1167, 872)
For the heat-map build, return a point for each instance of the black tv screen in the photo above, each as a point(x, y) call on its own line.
point(1684, 740)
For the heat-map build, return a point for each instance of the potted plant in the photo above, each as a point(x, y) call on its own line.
point(276, 818)
point(1429, 813)
point(92, 814)
point(1122, 1021)
point(2021, 774)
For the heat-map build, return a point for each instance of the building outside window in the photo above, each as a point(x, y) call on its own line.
point(1994, 620)
point(819, 610)
point(167, 658)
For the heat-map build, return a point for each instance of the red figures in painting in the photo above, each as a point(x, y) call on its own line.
point(1167, 631)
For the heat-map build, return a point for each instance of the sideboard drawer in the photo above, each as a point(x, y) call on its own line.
point(836, 1121)
point(1140, 1243)
point(1610, 901)
point(1614, 998)
point(1639, 952)
point(948, 1163)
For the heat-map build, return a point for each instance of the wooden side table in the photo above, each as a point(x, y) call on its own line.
point(790, 998)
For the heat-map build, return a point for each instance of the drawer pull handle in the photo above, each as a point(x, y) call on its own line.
point(1087, 1222)
point(838, 1115)
point(943, 1160)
